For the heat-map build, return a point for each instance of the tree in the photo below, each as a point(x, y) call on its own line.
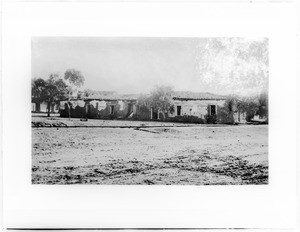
point(263, 109)
point(249, 106)
point(38, 90)
point(50, 91)
point(225, 113)
point(143, 106)
point(74, 81)
point(254, 105)
point(161, 99)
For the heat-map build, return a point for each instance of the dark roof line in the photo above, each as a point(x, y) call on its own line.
point(193, 99)
point(102, 99)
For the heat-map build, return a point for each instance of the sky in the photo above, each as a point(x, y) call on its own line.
point(138, 64)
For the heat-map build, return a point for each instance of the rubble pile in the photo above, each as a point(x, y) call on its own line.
point(47, 124)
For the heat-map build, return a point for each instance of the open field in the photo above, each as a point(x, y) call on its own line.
point(125, 152)
point(75, 122)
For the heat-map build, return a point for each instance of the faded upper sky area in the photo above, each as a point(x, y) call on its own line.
point(137, 64)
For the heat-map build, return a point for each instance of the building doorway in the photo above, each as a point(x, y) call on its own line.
point(112, 109)
point(213, 110)
point(178, 110)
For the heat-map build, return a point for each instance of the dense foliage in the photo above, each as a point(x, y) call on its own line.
point(187, 119)
point(160, 100)
point(251, 106)
point(74, 78)
point(55, 89)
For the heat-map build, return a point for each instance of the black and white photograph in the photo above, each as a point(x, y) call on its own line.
point(149, 110)
point(149, 115)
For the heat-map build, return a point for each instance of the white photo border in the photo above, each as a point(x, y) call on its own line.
point(98, 206)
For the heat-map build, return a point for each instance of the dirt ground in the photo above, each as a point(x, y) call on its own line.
point(148, 153)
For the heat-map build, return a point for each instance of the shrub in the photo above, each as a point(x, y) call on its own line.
point(143, 113)
point(186, 119)
point(225, 117)
point(211, 119)
point(109, 117)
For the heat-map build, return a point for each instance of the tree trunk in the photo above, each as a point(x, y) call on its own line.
point(69, 110)
point(48, 111)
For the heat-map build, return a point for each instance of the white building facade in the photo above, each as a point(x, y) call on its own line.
point(198, 108)
point(196, 104)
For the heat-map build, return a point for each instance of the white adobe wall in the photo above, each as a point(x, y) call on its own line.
point(43, 107)
point(196, 108)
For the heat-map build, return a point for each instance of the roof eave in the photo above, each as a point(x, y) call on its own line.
point(196, 99)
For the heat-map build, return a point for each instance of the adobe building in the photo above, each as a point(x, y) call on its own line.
point(110, 105)
point(196, 104)
point(100, 106)
point(42, 107)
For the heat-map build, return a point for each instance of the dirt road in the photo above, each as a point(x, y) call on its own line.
point(193, 155)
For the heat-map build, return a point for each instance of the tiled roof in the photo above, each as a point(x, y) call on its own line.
point(114, 96)
point(187, 95)
point(177, 95)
